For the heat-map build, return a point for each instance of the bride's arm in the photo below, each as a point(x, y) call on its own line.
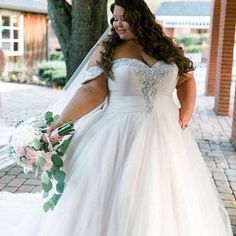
point(186, 93)
point(89, 96)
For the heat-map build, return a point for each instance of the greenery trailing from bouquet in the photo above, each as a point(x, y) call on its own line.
point(32, 149)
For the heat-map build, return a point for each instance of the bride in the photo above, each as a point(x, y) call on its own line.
point(133, 168)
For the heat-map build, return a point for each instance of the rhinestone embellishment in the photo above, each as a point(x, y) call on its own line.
point(149, 76)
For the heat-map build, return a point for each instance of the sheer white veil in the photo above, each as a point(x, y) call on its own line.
point(68, 91)
point(76, 79)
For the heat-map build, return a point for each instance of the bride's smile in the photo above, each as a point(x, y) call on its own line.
point(121, 25)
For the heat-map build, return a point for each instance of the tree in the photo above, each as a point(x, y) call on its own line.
point(77, 27)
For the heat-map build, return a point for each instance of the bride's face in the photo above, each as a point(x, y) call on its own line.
point(120, 24)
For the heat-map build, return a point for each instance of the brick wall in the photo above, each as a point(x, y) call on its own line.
point(225, 57)
point(213, 48)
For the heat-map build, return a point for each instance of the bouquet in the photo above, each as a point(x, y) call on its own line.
point(31, 148)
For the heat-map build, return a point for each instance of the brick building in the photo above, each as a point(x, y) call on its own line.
point(220, 62)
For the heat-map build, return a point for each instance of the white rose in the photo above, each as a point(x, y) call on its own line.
point(24, 135)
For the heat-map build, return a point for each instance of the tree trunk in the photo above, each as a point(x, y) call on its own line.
point(78, 27)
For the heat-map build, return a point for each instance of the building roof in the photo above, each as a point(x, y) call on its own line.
point(37, 6)
point(181, 8)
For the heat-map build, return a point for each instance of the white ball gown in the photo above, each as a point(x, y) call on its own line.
point(131, 170)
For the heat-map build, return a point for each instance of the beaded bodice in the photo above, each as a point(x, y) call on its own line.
point(135, 85)
point(134, 77)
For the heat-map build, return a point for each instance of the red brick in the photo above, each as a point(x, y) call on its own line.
point(212, 61)
point(224, 57)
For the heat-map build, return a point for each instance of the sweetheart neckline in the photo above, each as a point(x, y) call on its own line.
point(137, 60)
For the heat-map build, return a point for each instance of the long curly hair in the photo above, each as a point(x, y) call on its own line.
point(149, 35)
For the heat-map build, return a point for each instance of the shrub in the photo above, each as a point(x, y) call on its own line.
point(193, 48)
point(53, 72)
point(56, 56)
point(187, 40)
point(16, 76)
point(204, 38)
point(16, 73)
point(192, 39)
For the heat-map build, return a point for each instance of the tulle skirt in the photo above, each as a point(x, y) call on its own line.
point(128, 173)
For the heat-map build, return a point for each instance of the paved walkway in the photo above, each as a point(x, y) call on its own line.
point(211, 132)
point(20, 102)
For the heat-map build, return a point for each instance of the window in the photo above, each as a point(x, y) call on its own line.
point(11, 33)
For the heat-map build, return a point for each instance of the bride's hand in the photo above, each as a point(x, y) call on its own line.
point(52, 131)
point(184, 118)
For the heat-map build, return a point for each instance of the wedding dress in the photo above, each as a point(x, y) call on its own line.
point(131, 170)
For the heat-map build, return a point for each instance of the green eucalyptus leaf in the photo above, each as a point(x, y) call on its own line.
point(45, 194)
point(59, 176)
point(40, 162)
point(56, 198)
point(48, 116)
point(55, 118)
point(60, 187)
point(64, 146)
point(52, 204)
point(45, 178)
point(49, 174)
point(54, 169)
point(49, 205)
point(39, 165)
point(46, 206)
point(47, 187)
point(57, 161)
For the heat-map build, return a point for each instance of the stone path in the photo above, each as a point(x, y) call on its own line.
point(211, 132)
point(20, 102)
point(25, 101)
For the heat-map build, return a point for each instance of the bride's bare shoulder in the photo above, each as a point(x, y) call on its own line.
point(96, 56)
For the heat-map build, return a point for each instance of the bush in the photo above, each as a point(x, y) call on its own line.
point(16, 76)
point(189, 39)
point(53, 72)
point(204, 38)
point(193, 48)
point(192, 39)
point(56, 56)
point(16, 73)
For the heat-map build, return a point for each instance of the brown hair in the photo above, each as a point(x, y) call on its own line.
point(149, 35)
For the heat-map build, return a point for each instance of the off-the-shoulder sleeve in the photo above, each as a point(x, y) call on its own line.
point(92, 73)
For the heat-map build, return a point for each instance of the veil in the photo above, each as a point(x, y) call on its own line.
point(76, 79)
point(67, 93)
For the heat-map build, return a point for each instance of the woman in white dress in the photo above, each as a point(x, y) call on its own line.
point(133, 169)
